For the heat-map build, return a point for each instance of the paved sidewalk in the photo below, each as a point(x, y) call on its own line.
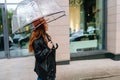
point(110, 78)
point(97, 69)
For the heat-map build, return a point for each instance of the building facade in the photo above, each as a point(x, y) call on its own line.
point(113, 29)
point(90, 29)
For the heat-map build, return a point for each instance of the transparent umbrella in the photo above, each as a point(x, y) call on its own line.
point(28, 11)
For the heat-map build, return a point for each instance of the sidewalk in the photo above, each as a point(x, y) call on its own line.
point(99, 69)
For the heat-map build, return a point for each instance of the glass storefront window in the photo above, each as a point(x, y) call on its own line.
point(86, 25)
point(20, 39)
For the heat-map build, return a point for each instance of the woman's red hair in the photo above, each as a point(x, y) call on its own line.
point(37, 33)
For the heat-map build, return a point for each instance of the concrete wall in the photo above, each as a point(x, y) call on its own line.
point(59, 30)
point(113, 26)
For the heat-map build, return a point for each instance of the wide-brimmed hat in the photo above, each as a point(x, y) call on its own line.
point(38, 22)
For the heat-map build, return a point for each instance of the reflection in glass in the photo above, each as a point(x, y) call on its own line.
point(86, 26)
point(2, 54)
point(2, 1)
point(20, 39)
point(13, 1)
point(1, 32)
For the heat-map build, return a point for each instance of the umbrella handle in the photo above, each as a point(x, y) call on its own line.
point(56, 46)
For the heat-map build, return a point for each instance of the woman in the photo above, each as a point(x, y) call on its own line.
point(40, 43)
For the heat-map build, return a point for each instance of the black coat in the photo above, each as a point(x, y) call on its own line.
point(45, 64)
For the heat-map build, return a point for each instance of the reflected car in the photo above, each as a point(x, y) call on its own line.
point(82, 35)
point(24, 40)
point(78, 36)
point(17, 37)
point(2, 42)
point(91, 30)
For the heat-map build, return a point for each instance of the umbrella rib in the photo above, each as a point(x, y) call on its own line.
point(57, 18)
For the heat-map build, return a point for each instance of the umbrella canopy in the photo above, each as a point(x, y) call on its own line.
point(28, 11)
